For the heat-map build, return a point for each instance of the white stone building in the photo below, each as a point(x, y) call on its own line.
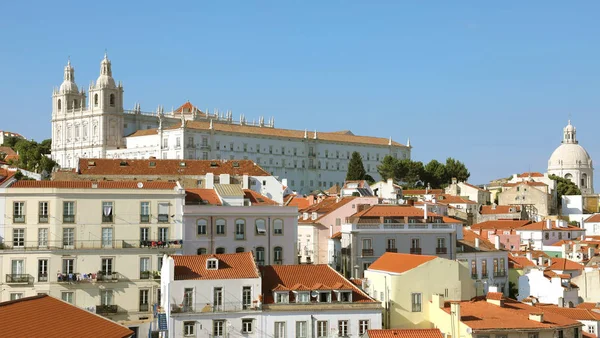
point(571, 161)
point(101, 128)
point(548, 287)
point(539, 235)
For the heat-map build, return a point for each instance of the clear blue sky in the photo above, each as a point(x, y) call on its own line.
point(489, 84)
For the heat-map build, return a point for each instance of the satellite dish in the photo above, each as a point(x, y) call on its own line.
point(314, 294)
point(140, 185)
point(469, 330)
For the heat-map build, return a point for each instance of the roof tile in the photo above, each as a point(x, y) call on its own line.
point(230, 266)
point(399, 262)
point(95, 184)
point(405, 333)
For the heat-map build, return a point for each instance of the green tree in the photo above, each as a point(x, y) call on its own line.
point(356, 169)
point(456, 169)
point(564, 186)
point(414, 172)
point(435, 174)
point(388, 168)
point(33, 156)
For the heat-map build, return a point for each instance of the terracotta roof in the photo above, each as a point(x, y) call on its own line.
point(495, 295)
point(189, 107)
point(337, 235)
point(422, 192)
point(468, 240)
point(500, 224)
point(478, 314)
point(202, 196)
point(530, 183)
point(312, 275)
point(296, 201)
point(593, 219)
point(10, 154)
point(499, 209)
point(258, 199)
point(531, 174)
point(334, 190)
point(564, 264)
point(405, 333)
point(588, 305)
point(519, 262)
point(574, 313)
point(230, 266)
point(539, 226)
point(281, 133)
point(106, 167)
point(399, 262)
point(449, 199)
point(329, 204)
point(48, 317)
point(380, 210)
point(98, 184)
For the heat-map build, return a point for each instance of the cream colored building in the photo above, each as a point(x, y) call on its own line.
point(406, 283)
point(97, 245)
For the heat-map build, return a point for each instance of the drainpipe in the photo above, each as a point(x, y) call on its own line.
point(212, 235)
point(269, 240)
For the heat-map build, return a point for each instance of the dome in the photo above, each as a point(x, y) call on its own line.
point(569, 155)
point(105, 81)
point(68, 87)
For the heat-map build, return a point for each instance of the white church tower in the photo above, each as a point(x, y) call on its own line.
point(84, 131)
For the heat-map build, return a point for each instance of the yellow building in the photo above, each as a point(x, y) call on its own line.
point(97, 245)
point(494, 316)
point(405, 284)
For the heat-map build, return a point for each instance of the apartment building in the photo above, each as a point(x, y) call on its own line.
point(369, 233)
point(96, 245)
point(230, 219)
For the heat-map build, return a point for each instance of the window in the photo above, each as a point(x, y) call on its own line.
point(280, 330)
point(19, 212)
point(416, 302)
point(220, 251)
point(211, 264)
point(112, 100)
point(43, 212)
point(67, 296)
point(144, 300)
point(17, 267)
point(201, 251)
point(278, 254)
point(18, 237)
point(144, 267)
point(495, 267)
point(144, 234)
point(68, 237)
point(107, 266)
point(218, 298)
point(560, 235)
point(247, 325)
point(163, 234)
point(42, 270)
point(363, 326)
point(246, 297)
point(188, 298)
point(322, 328)
point(165, 143)
point(59, 105)
point(240, 229)
point(575, 333)
point(107, 237)
point(260, 255)
point(484, 272)
point(220, 225)
point(278, 227)
point(325, 297)
point(239, 249)
point(536, 335)
point(218, 328)
point(68, 266)
point(282, 297)
point(591, 329)
point(559, 334)
point(343, 328)
point(68, 212)
point(95, 100)
point(261, 227)
point(301, 329)
point(303, 297)
point(391, 243)
point(201, 225)
point(178, 142)
point(106, 297)
point(144, 212)
point(188, 328)
point(16, 295)
point(163, 212)
point(546, 235)
point(474, 269)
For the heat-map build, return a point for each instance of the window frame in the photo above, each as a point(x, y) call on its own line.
point(203, 227)
point(189, 327)
point(240, 229)
point(275, 228)
point(416, 301)
point(247, 322)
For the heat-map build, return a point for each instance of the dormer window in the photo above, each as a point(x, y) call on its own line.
point(314, 215)
point(282, 297)
point(303, 297)
point(212, 264)
point(324, 297)
point(345, 296)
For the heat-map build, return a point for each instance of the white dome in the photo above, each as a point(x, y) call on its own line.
point(68, 87)
point(569, 155)
point(105, 81)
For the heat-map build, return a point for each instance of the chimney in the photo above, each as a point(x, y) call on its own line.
point(538, 317)
point(224, 179)
point(425, 212)
point(209, 181)
point(540, 261)
point(549, 261)
point(548, 224)
point(284, 182)
point(245, 183)
point(454, 180)
point(529, 256)
point(455, 319)
point(497, 242)
point(330, 231)
point(477, 243)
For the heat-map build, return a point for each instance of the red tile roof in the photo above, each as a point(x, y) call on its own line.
point(97, 184)
point(48, 317)
point(297, 201)
point(500, 224)
point(399, 262)
point(107, 167)
point(230, 266)
point(10, 154)
point(588, 305)
point(314, 276)
point(564, 264)
point(499, 209)
point(530, 183)
point(414, 192)
point(449, 199)
point(189, 107)
point(258, 199)
point(574, 313)
point(495, 295)
point(519, 262)
point(405, 333)
point(539, 226)
point(202, 196)
point(337, 235)
point(478, 314)
point(531, 174)
point(469, 237)
point(593, 219)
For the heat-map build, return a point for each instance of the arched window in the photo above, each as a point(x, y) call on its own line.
point(261, 227)
point(278, 255)
point(220, 226)
point(240, 229)
point(584, 180)
point(112, 100)
point(260, 255)
point(59, 104)
point(239, 249)
point(75, 104)
point(95, 100)
point(569, 177)
point(201, 226)
point(220, 250)
point(201, 251)
point(95, 131)
point(278, 227)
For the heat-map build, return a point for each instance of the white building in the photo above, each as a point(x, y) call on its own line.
point(571, 161)
point(227, 219)
point(592, 225)
point(588, 317)
point(471, 192)
point(101, 128)
point(541, 234)
point(548, 287)
point(227, 296)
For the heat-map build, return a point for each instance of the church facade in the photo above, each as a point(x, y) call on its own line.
point(571, 161)
point(95, 125)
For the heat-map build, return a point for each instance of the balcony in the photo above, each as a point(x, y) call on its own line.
point(68, 218)
point(163, 218)
point(106, 309)
point(367, 252)
point(441, 251)
point(419, 224)
point(43, 218)
point(19, 278)
point(239, 236)
point(312, 154)
point(278, 262)
point(346, 251)
point(91, 245)
point(18, 218)
point(144, 218)
point(145, 274)
point(205, 147)
point(391, 250)
point(75, 278)
point(500, 273)
point(484, 276)
point(107, 218)
point(42, 277)
point(107, 277)
point(209, 308)
point(416, 251)
point(144, 307)
point(474, 276)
